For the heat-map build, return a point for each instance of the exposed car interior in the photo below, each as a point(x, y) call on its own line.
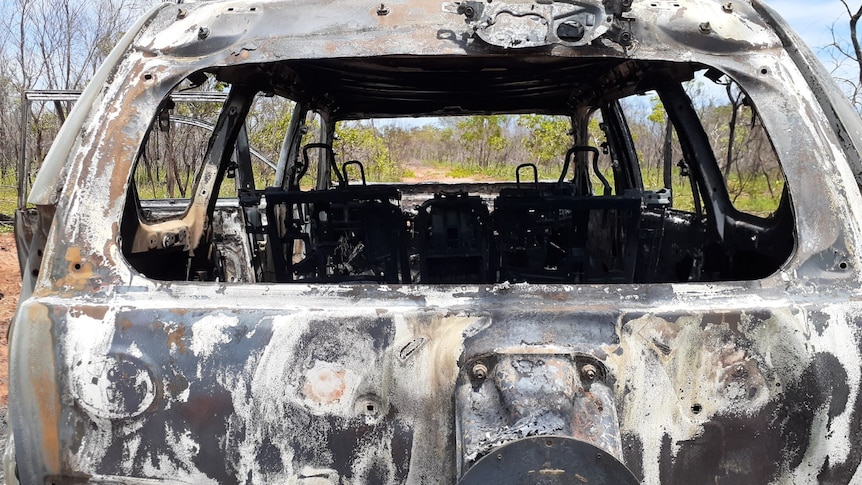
point(320, 220)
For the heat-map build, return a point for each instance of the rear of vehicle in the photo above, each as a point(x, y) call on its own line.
point(617, 313)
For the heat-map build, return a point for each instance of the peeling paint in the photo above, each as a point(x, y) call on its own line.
point(673, 377)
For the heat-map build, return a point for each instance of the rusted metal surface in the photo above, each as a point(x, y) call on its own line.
point(549, 460)
point(362, 394)
point(530, 394)
point(119, 378)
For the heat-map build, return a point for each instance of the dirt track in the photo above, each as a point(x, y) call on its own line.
point(10, 288)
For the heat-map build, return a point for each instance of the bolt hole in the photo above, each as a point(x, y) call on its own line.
point(369, 408)
point(39, 253)
point(230, 9)
point(696, 408)
point(549, 443)
point(253, 9)
point(35, 273)
point(77, 266)
point(764, 71)
point(148, 77)
point(842, 265)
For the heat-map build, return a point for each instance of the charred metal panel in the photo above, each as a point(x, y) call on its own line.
point(232, 246)
point(518, 25)
point(161, 393)
point(549, 460)
point(365, 394)
point(505, 397)
point(116, 377)
point(717, 377)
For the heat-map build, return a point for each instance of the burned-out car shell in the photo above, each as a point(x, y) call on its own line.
point(118, 378)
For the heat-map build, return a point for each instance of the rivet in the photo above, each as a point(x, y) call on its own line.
point(382, 10)
point(589, 372)
point(705, 27)
point(203, 33)
point(727, 7)
point(182, 13)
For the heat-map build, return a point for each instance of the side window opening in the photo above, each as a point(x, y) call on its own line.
point(176, 146)
point(609, 193)
point(173, 226)
point(749, 163)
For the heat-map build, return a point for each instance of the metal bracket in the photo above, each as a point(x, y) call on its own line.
point(522, 24)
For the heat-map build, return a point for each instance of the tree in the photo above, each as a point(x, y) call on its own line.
point(484, 138)
point(549, 137)
point(362, 142)
point(51, 44)
point(844, 52)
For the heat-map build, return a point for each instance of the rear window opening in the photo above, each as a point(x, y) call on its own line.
point(666, 175)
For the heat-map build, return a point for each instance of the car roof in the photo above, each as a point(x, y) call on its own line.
point(358, 59)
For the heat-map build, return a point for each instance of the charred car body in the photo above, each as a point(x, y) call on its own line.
point(328, 330)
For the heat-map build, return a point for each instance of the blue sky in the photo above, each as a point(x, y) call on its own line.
point(812, 19)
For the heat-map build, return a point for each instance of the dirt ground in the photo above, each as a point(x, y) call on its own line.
point(427, 173)
point(10, 288)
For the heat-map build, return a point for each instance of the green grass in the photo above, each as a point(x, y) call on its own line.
point(755, 196)
point(494, 172)
point(751, 195)
point(8, 199)
point(158, 189)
